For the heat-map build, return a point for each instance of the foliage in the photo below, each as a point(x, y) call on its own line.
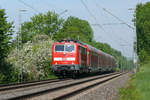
point(144, 58)
point(35, 61)
point(6, 30)
point(8, 74)
point(77, 29)
point(5, 35)
point(48, 24)
point(142, 21)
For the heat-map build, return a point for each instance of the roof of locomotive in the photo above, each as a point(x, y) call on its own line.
point(70, 41)
point(84, 44)
point(63, 42)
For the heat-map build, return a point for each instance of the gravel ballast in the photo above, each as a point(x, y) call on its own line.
point(106, 91)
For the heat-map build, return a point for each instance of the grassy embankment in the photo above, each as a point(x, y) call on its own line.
point(138, 87)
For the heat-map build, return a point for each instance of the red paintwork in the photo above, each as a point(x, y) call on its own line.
point(64, 55)
point(81, 58)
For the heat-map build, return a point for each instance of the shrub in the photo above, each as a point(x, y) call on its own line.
point(34, 61)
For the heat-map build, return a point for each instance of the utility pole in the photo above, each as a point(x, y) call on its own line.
point(19, 46)
point(135, 60)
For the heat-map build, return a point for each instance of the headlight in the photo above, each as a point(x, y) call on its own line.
point(57, 59)
point(71, 58)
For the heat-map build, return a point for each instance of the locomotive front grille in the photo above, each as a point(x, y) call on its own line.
point(65, 67)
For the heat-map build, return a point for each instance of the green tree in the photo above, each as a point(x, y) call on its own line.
point(75, 28)
point(48, 24)
point(6, 30)
point(142, 21)
point(5, 35)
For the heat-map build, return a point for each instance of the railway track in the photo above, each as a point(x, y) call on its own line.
point(58, 89)
point(7, 87)
point(83, 87)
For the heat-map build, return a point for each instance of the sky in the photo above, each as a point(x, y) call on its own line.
point(107, 29)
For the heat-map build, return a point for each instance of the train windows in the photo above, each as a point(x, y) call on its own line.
point(69, 48)
point(104, 60)
point(99, 60)
point(59, 48)
point(96, 60)
point(66, 48)
point(90, 58)
point(108, 60)
point(83, 50)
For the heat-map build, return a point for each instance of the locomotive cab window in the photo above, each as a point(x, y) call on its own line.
point(59, 48)
point(66, 48)
point(69, 48)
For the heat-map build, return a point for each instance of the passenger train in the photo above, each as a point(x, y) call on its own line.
point(72, 57)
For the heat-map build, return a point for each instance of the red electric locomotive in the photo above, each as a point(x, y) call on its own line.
point(70, 57)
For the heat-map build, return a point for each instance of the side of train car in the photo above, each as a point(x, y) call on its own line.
point(73, 57)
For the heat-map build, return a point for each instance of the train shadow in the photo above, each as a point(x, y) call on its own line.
point(84, 75)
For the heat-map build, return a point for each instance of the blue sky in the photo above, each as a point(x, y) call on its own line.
point(119, 36)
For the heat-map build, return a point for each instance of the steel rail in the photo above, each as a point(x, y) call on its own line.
point(75, 92)
point(50, 90)
point(6, 87)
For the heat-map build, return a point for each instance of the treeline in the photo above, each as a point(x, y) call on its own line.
point(142, 20)
point(38, 35)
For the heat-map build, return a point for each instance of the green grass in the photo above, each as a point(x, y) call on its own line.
point(138, 87)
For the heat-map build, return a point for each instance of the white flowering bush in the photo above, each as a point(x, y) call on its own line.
point(33, 60)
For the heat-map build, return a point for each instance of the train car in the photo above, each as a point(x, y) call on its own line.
point(70, 57)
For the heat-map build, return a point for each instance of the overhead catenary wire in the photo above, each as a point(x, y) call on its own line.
point(104, 24)
point(28, 6)
point(121, 21)
point(96, 21)
point(54, 6)
point(118, 18)
point(110, 35)
point(86, 7)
